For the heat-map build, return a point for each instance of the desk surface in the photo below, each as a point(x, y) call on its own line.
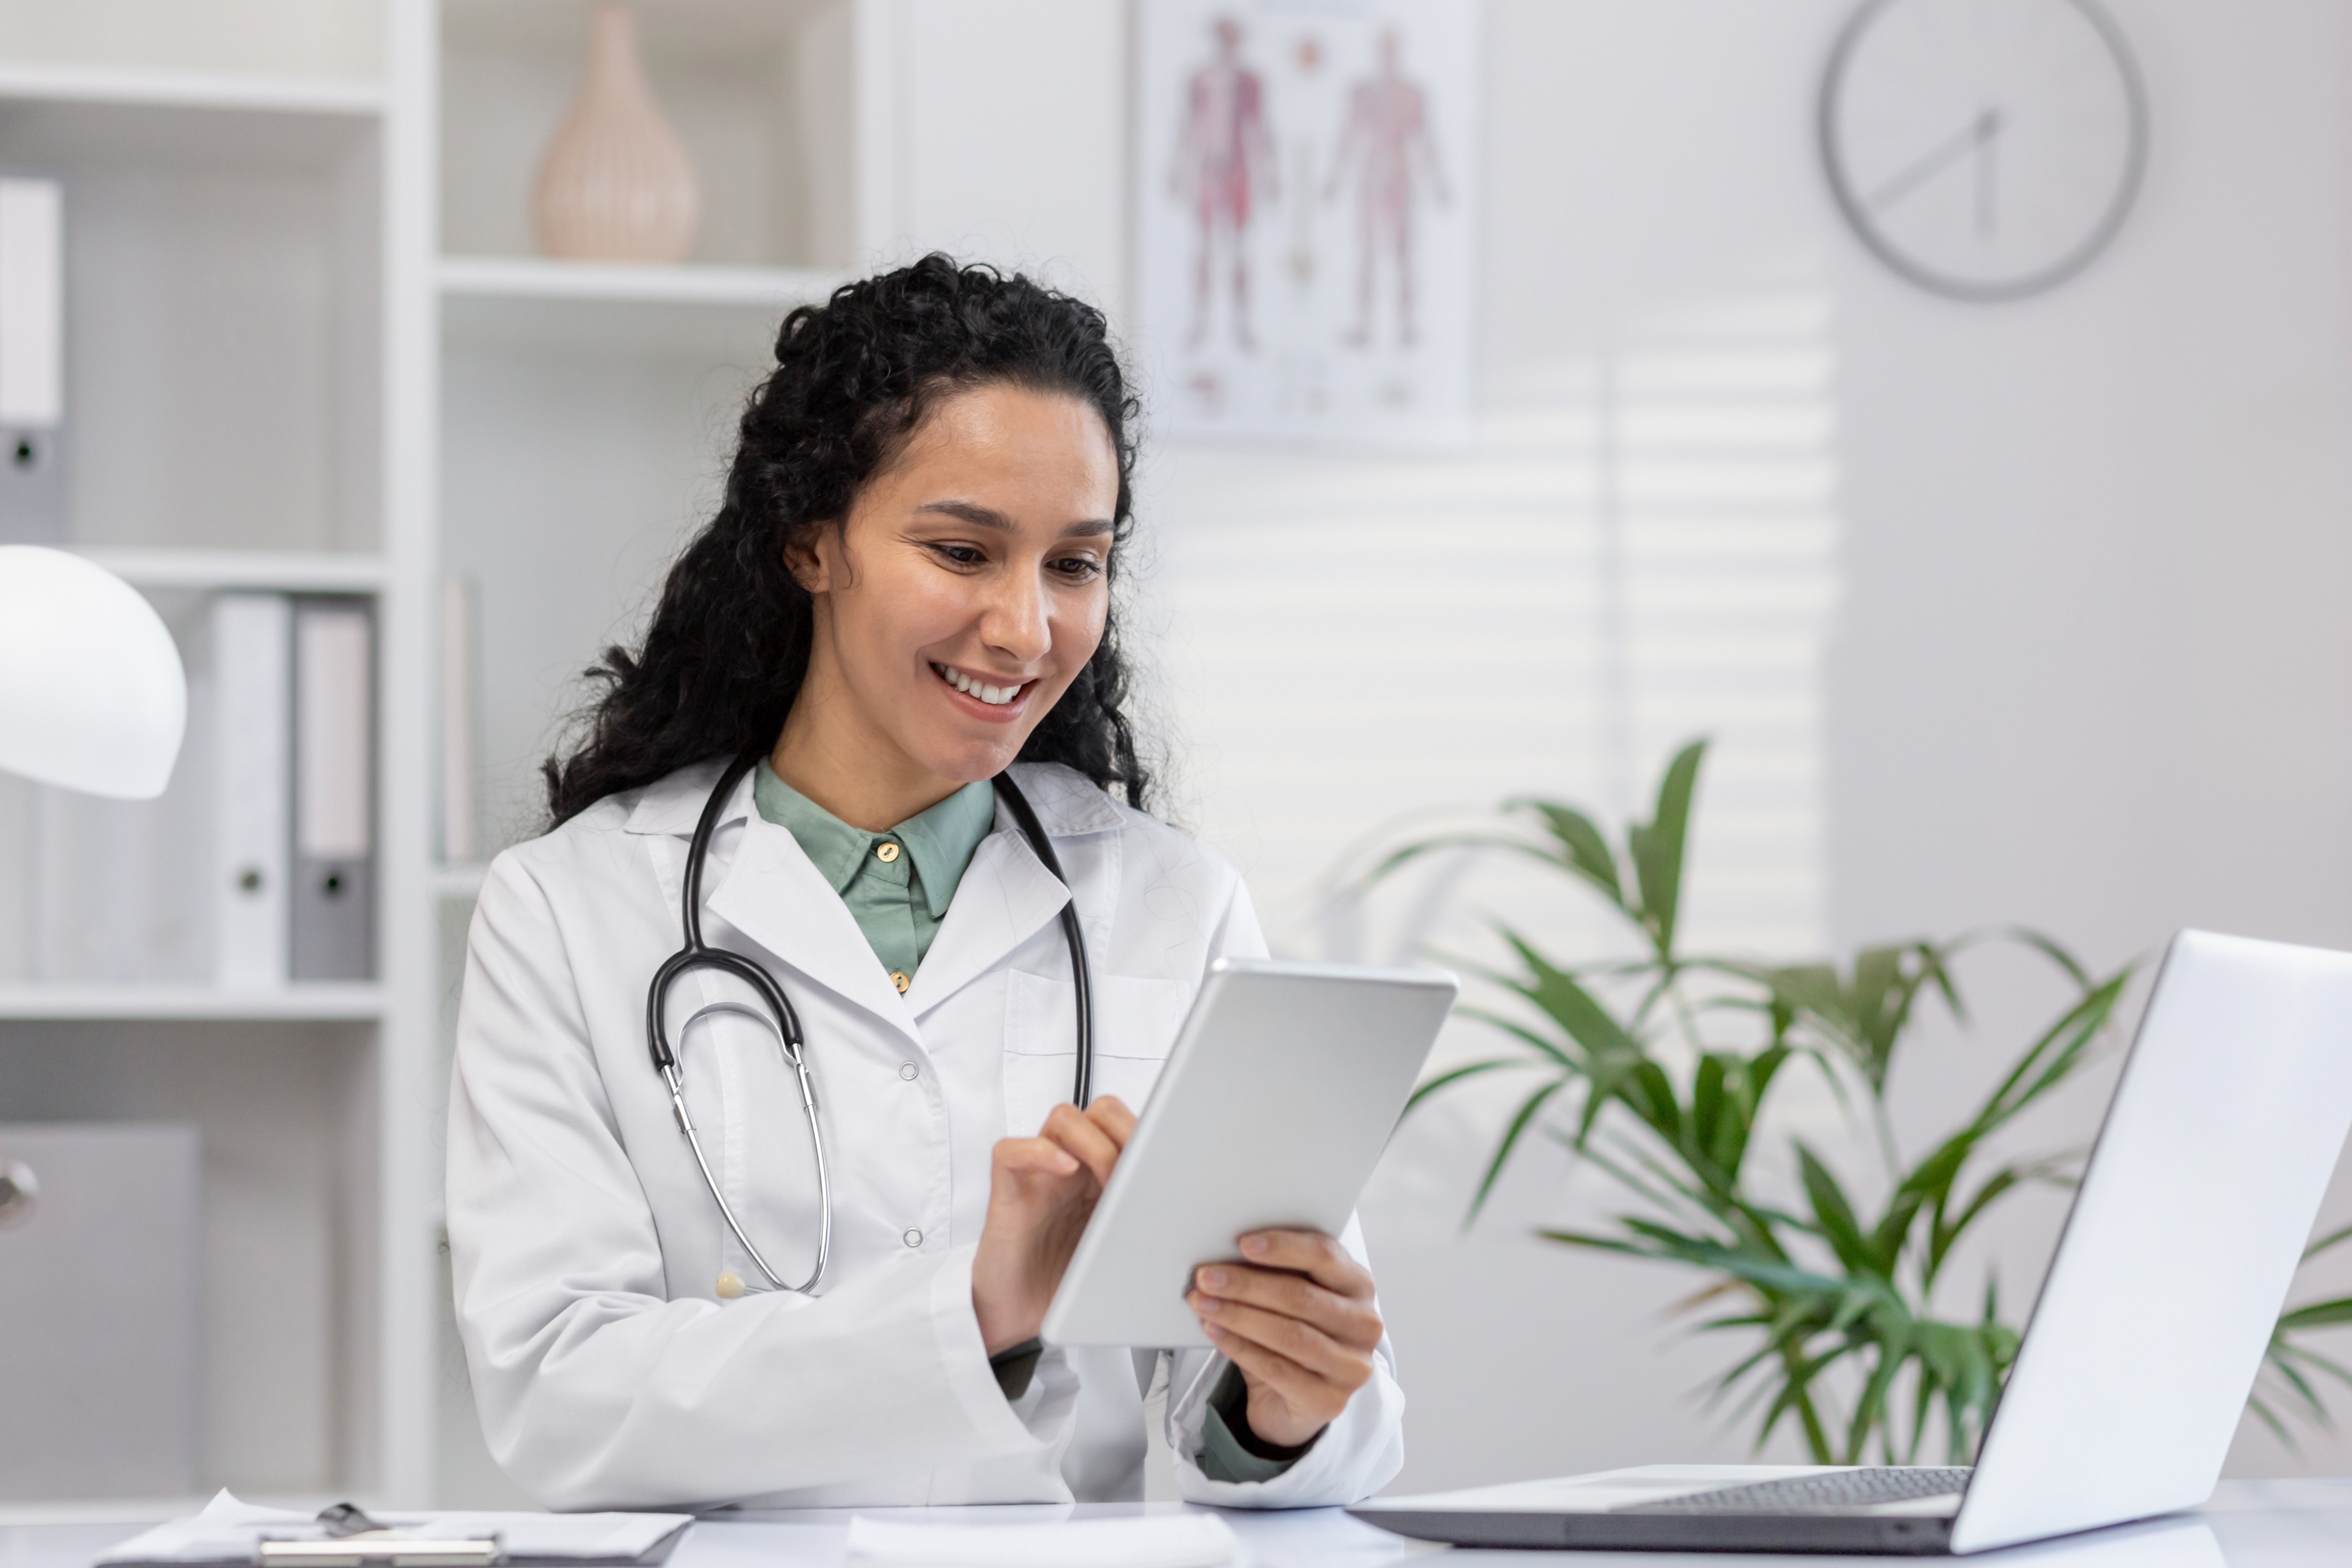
point(2249, 1524)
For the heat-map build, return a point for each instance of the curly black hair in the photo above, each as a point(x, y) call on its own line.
point(728, 645)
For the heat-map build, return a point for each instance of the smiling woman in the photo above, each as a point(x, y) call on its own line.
point(737, 630)
point(870, 762)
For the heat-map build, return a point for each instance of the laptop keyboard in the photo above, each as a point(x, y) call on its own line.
point(1835, 1492)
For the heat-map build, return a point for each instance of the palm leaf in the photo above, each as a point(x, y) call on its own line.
point(2053, 1057)
point(1584, 850)
point(2050, 950)
point(1835, 1214)
point(1657, 847)
point(1528, 1110)
point(1406, 854)
point(1518, 1031)
point(1454, 1076)
point(2317, 1315)
point(2263, 1412)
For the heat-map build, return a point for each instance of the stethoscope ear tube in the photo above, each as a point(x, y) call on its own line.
point(1082, 1089)
point(785, 1024)
point(779, 1018)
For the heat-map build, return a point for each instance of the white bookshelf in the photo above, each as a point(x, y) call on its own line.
point(311, 350)
point(225, 260)
point(324, 1002)
point(531, 279)
point(213, 571)
point(151, 89)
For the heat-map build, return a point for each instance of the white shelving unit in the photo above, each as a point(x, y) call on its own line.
point(326, 1003)
point(227, 344)
point(213, 571)
point(763, 289)
point(151, 89)
point(311, 350)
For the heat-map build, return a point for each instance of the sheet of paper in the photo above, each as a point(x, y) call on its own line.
point(228, 1528)
point(1152, 1540)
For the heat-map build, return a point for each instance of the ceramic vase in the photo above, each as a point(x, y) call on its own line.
point(615, 183)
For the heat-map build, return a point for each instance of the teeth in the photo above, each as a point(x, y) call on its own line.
point(994, 696)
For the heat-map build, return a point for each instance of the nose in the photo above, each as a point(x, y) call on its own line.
point(1018, 620)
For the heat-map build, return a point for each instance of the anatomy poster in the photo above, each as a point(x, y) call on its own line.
point(1305, 211)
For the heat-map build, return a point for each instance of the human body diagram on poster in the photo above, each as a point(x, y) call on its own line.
point(1305, 263)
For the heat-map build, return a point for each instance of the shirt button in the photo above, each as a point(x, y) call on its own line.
point(913, 1239)
point(907, 1070)
point(886, 852)
point(900, 981)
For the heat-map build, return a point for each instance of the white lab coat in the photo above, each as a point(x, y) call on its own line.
point(607, 1372)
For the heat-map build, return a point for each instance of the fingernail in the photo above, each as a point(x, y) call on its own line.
point(1254, 1245)
point(1213, 1278)
point(1214, 1333)
point(1207, 1304)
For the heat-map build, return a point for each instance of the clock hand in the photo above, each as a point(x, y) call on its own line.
point(1988, 126)
point(1961, 144)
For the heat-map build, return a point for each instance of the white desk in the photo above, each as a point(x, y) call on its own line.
point(2249, 1524)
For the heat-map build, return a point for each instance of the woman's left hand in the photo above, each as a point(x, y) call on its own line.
point(1297, 1320)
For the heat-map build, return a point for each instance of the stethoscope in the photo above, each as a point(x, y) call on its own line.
point(775, 1013)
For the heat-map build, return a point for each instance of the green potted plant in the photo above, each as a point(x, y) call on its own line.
point(1659, 1069)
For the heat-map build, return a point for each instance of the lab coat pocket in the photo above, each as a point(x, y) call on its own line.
point(1136, 1022)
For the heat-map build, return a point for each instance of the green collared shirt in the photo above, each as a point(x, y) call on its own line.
point(897, 883)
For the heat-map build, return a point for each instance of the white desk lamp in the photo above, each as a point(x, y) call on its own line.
point(92, 696)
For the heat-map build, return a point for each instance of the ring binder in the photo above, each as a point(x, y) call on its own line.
point(32, 360)
point(252, 649)
point(334, 904)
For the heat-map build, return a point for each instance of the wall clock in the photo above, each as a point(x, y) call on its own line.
point(1984, 149)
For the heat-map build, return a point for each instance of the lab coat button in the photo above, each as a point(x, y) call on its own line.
point(729, 1287)
point(913, 1239)
point(900, 981)
point(886, 852)
point(907, 1070)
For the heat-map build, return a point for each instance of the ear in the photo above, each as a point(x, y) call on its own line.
point(812, 557)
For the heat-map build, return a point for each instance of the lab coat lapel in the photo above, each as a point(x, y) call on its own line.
point(777, 898)
point(1006, 898)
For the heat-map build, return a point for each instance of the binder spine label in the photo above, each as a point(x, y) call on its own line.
point(252, 679)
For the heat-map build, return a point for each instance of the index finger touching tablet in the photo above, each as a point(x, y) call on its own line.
point(1110, 1113)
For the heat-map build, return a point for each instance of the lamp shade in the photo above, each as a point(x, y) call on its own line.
point(92, 696)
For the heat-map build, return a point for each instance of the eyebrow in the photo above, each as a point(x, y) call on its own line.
point(990, 518)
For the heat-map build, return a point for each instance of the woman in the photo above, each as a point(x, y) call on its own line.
point(906, 589)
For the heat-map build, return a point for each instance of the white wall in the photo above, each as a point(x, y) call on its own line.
point(2093, 670)
point(1012, 135)
point(2086, 660)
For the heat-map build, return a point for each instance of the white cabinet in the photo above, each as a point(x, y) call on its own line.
point(312, 351)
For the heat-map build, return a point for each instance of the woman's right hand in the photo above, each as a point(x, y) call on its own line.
point(1040, 1192)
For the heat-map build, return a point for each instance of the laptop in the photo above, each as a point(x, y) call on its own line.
point(2182, 1243)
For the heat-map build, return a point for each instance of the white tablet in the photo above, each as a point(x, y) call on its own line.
point(1277, 1099)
